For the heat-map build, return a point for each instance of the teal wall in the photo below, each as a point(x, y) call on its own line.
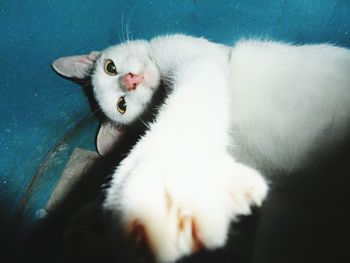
point(43, 117)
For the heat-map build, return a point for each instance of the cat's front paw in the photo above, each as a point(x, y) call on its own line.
point(248, 188)
point(179, 209)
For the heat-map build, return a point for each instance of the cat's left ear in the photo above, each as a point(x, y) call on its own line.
point(76, 66)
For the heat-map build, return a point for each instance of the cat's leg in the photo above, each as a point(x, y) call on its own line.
point(179, 188)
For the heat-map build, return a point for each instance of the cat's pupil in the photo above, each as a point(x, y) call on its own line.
point(121, 105)
point(110, 68)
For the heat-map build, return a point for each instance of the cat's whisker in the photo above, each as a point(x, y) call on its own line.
point(128, 32)
point(93, 113)
point(119, 36)
point(144, 123)
point(120, 31)
point(130, 36)
point(124, 38)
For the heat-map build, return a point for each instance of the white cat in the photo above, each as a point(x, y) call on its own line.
point(231, 112)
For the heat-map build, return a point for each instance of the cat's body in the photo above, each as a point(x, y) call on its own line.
point(289, 102)
point(264, 104)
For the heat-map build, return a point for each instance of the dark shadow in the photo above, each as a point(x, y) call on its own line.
point(9, 246)
point(305, 218)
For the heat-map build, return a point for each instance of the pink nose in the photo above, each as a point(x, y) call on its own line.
point(132, 80)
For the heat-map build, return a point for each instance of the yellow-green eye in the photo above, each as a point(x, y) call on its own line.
point(121, 105)
point(110, 68)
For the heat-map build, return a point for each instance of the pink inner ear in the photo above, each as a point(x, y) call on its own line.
point(108, 137)
point(76, 66)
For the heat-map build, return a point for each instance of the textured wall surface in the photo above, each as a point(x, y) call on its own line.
point(42, 114)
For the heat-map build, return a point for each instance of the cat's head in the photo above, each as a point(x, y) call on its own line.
point(124, 78)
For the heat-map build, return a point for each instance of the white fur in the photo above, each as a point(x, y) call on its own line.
point(259, 105)
point(133, 58)
point(289, 102)
point(275, 100)
point(184, 157)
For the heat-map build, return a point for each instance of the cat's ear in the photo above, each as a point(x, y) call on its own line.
point(76, 66)
point(108, 136)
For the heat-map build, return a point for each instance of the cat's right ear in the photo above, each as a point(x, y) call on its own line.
point(76, 66)
point(108, 137)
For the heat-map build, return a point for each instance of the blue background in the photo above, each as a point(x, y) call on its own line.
point(43, 117)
